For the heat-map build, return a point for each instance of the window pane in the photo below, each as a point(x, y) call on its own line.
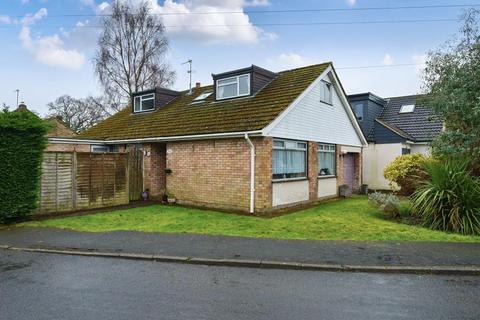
point(278, 144)
point(227, 81)
point(358, 110)
point(244, 84)
point(326, 163)
point(288, 164)
point(148, 104)
point(227, 91)
point(295, 161)
point(136, 104)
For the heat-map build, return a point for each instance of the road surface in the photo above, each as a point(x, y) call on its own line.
point(48, 286)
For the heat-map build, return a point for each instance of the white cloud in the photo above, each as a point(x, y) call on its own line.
point(48, 50)
point(387, 59)
point(288, 61)
point(351, 2)
point(5, 19)
point(203, 20)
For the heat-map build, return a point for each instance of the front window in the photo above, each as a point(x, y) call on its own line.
point(143, 103)
point(326, 160)
point(289, 159)
point(233, 87)
point(325, 92)
point(103, 148)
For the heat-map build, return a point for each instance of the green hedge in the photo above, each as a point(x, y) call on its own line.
point(22, 142)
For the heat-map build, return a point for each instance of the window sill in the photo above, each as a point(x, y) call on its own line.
point(327, 177)
point(328, 103)
point(289, 179)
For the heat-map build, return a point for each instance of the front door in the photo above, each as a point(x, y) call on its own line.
point(349, 170)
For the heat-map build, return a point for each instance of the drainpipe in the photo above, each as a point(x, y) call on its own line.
point(252, 173)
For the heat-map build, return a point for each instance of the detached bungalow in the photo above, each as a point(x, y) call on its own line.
point(254, 141)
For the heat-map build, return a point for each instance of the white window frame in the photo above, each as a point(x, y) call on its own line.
point(331, 149)
point(407, 108)
point(291, 145)
point(233, 80)
point(142, 98)
point(326, 96)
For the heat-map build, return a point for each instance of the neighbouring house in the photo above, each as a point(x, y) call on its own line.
point(392, 126)
point(253, 141)
point(60, 130)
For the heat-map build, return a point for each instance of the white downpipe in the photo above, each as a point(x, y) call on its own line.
point(252, 173)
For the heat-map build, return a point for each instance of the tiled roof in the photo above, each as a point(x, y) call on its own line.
point(421, 124)
point(182, 117)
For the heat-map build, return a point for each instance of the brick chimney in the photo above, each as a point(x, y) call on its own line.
point(198, 85)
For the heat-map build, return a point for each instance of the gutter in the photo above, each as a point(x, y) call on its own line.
point(252, 173)
point(157, 139)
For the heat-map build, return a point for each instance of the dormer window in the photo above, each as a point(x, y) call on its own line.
point(233, 87)
point(407, 108)
point(144, 102)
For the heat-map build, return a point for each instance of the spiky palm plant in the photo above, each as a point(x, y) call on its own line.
point(450, 199)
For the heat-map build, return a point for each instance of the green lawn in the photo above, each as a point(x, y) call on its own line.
point(351, 219)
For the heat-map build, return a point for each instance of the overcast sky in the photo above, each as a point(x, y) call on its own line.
point(47, 45)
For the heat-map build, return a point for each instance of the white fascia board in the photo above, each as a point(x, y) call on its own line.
point(346, 105)
point(158, 139)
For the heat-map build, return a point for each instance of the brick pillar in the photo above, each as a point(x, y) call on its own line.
point(312, 174)
point(154, 164)
point(339, 168)
point(263, 173)
point(357, 182)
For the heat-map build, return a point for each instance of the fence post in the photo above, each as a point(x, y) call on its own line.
point(74, 180)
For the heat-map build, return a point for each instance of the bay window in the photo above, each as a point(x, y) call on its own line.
point(289, 159)
point(326, 160)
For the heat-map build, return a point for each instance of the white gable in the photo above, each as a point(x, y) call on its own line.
point(309, 119)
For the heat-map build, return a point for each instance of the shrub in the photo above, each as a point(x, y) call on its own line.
point(407, 172)
point(388, 203)
point(22, 141)
point(450, 199)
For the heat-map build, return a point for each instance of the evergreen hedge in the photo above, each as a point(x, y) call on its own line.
point(22, 142)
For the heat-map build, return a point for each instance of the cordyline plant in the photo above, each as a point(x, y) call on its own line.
point(450, 199)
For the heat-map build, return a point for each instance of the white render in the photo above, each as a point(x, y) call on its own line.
point(377, 156)
point(289, 192)
point(327, 187)
point(309, 119)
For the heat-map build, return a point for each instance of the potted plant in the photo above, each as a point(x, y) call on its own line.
point(170, 198)
point(343, 190)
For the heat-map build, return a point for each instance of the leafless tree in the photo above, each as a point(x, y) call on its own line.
point(131, 53)
point(78, 114)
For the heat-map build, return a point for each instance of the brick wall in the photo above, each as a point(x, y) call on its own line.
point(154, 163)
point(64, 147)
point(216, 173)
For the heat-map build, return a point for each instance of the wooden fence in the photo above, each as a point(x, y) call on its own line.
point(76, 181)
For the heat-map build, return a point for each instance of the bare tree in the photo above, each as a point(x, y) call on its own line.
point(78, 114)
point(131, 53)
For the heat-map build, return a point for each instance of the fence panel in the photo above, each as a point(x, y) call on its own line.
point(75, 181)
point(56, 191)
